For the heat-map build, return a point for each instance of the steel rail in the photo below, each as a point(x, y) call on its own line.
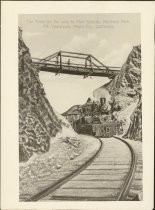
point(126, 186)
point(122, 194)
point(62, 181)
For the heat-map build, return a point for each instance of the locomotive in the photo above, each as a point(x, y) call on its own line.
point(93, 118)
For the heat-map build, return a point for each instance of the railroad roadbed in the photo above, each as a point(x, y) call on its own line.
point(108, 177)
point(90, 148)
point(136, 188)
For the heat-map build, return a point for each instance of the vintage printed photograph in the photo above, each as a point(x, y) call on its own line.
point(80, 107)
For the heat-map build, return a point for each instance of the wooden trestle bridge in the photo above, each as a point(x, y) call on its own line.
point(75, 64)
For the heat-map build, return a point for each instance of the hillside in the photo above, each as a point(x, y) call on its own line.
point(125, 91)
point(37, 120)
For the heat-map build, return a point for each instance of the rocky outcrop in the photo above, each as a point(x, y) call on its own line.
point(129, 79)
point(134, 131)
point(37, 120)
point(125, 90)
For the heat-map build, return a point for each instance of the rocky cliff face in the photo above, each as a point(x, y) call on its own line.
point(37, 120)
point(134, 131)
point(125, 90)
point(128, 82)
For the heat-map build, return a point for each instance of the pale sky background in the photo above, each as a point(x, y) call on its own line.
point(110, 39)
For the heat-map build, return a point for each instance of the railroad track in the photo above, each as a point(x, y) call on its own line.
point(106, 176)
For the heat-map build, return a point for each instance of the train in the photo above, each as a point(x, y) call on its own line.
point(97, 128)
point(93, 118)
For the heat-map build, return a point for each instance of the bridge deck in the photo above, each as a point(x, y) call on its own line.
point(77, 64)
point(77, 70)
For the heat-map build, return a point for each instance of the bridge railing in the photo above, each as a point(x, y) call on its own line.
point(39, 62)
point(71, 62)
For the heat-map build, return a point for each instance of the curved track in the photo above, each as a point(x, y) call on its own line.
point(62, 181)
point(106, 176)
point(125, 189)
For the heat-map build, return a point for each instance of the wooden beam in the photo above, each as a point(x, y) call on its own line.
point(70, 56)
point(60, 56)
point(114, 67)
point(73, 70)
point(92, 70)
point(52, 64)
point(89, 59)
point(60, 61)
point(74, 53)
point(50, 56)
point(96, 65)
point(99, 61)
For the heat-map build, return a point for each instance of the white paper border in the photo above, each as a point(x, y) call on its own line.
point(9, 94)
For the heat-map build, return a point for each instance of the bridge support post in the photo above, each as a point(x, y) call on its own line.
point(92, 70)
point(60, 61)
point(59, 56)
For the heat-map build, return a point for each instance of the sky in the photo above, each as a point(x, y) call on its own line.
point(108, 37)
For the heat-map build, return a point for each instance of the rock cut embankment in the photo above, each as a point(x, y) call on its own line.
point(125, 91)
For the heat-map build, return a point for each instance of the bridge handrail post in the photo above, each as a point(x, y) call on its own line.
point(91, 63)
point(60, 60)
